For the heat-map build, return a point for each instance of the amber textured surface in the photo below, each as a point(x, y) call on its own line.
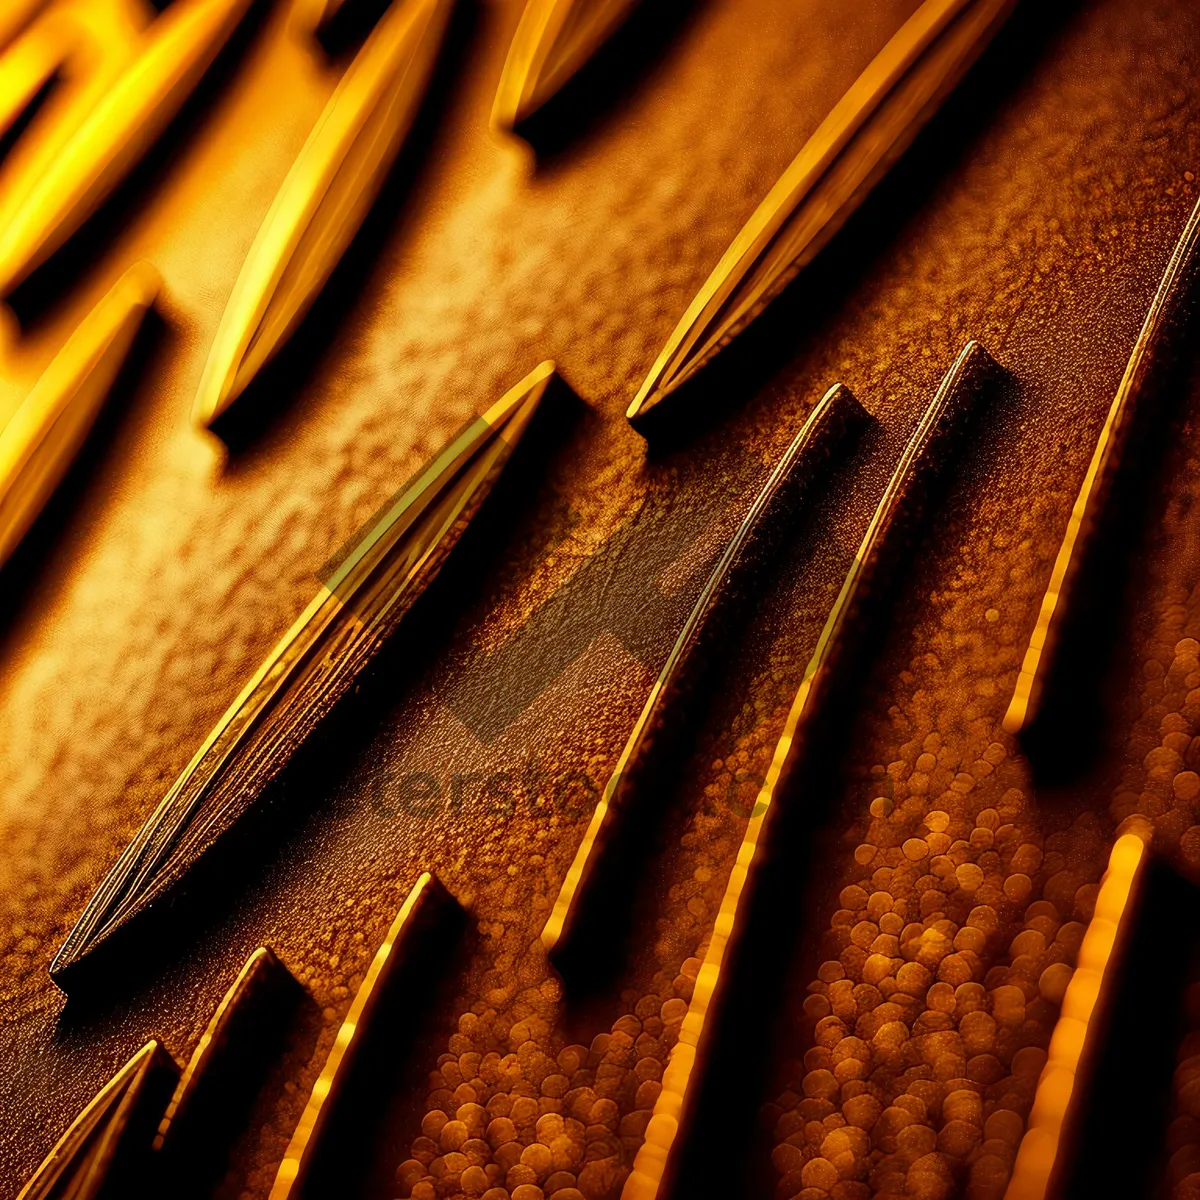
point(1035, 214)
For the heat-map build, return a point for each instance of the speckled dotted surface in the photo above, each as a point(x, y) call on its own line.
point(1036, 214)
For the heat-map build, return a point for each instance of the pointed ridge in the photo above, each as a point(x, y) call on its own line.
point(867, 130)
point(324, 199)
point(1025, 710)
point(313, 665)
point(261, 995)
point(831, 419)
point(43, 436)
point(553, 40)
point(429, 912)
point(656, 1163)
point(106, 1147)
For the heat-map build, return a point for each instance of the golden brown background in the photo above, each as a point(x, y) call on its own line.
point(1035, 213)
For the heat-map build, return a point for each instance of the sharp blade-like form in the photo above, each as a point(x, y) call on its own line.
point(42, 437)
point(868, 129)
point(310, 668)
point(428, 912)
point(775, 504)
point(75, 51)
point(324, 198)
point(116, 132)
point(656, 1164)
point(1038, 664)
point(553, 40)
point(247, 1019)
point(1057, 1101)
point(107, 1145)
point(25, 68)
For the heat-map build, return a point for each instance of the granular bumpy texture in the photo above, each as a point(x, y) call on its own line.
point(1036, 215)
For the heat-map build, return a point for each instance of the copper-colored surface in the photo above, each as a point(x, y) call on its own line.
point(1036, 212)
point(830, 422)
point(312, 666)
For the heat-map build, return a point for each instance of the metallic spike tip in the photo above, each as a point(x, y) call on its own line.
point(324, 199)
point(825, 428)
point(104, 1150)
point(1079, 541)
point(258, 1001)
point(851, 150)
point(43, 436)
point(656, 1163)
point(427, 913)
point(312, 666)
point(553, 40)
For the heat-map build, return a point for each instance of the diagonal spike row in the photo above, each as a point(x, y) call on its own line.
point(656, 1167)
point(116, 132)
point(43, 436)
point(223, 1069)
point(315, 663)
point(1026, 711)
point(104, 1153)
point(553, 40)
point(868, 129)
point(112, 1150)
point(429, 912)
point(568, 927)
point(324, 198)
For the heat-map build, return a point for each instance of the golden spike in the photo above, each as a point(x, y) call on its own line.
point(1074, 1034)
point(553, 40)
point(851, 150)
point(116, 132)
point(426, 912)
point(324, 198)
point(311, 667)
point(105, 1148)
point(263, 992)
point(27, 66)
point(924, 455)
point(43, 436)
point(87, 46)
point(829, 421)
point(1025, 707)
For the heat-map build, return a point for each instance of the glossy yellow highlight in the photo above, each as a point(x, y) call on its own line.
point(311, 666)
point(258, 964)
point(553, 40)
point(77, 1165)
point(84, 45)
point(853, 147)
point(570, 892)
point(115, 133)
point(1098, 477)
point(324, 198)
point(651, 1162)
point(43, 436)
point(26, 67)
point(308, 1129)
point(1038, 1151)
